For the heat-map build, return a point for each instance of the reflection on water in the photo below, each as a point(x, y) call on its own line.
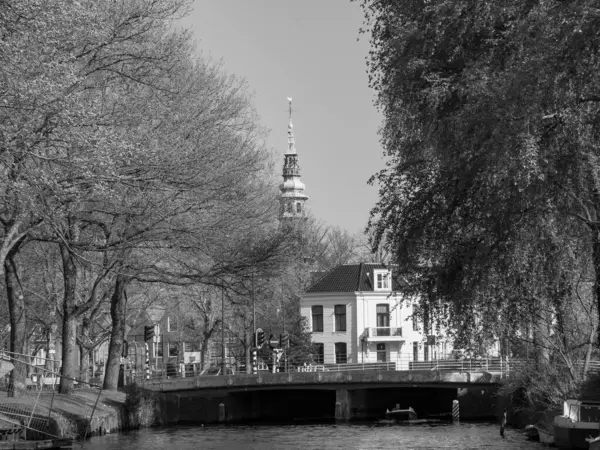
point(322, 436)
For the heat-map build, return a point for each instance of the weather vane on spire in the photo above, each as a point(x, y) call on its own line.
point(290, 107)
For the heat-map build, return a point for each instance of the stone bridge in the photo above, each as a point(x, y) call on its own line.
point(327, 380)
point(342, 395)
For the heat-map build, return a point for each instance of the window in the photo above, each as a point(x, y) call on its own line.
point(173, 349)
point(382, 280)
point(381, 353)
point(383, 320)
point(340, 317)
point(317, 318)
point(414, 318)
point(298, 207)
point(341, 355)
point(319, 353)
point(191, 346)
point(415, 351)
point(171, 324)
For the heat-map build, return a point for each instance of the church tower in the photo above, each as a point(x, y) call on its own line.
point(293, 199)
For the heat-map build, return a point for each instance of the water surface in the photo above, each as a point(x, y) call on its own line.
point(319, 436)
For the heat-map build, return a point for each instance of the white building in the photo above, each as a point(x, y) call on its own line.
point(357, 316)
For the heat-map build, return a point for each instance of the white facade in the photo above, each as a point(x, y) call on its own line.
point(379, 324)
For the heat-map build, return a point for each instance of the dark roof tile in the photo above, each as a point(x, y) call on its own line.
point(348, 278)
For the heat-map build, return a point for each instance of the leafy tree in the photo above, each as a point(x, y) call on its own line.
point(490, 118)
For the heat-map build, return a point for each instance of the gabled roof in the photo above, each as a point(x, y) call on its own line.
point(349, 278)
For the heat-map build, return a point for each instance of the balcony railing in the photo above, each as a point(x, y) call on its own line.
point(384, 332)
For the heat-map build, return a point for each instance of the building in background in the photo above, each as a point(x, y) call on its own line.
point(357, 314)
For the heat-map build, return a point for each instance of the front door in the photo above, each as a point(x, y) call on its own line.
point(381, 353)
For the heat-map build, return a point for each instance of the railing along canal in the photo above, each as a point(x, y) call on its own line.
point(502, 366)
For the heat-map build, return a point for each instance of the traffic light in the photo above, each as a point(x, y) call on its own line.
point(148, 332)
point(254, 358)
point(260, 337)
point(284, 339)
point(125, 349)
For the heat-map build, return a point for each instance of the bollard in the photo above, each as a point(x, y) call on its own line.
point(503, 422)
point(221, 412)
point(455, 411)
point(338, 411)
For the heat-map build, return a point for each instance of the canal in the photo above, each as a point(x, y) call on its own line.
point(441, 435)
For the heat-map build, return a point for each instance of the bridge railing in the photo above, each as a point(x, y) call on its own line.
point(499, 365)
point(343, 367)
point(461, 365)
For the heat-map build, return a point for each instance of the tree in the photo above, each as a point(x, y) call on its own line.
point(489, 117)
point(135, 152)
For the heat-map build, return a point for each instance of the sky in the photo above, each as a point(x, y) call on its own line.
point(309, 50)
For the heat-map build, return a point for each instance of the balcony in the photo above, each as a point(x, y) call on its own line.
point(383, 334)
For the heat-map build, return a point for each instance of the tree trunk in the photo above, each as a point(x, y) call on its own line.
point(85, 347)
point(596, 259)
point(84, 365)
point(203, 349)
point(118, 310)
point(16, 308)
point(68, 370)
point(69, 332)
point(541, 334)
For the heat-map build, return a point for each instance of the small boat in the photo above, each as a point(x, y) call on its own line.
point(579, 423)
point(532, 433)
point(545, 433)
point(594, 444)
point(398, 413)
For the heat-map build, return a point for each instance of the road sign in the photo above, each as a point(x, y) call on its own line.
point(273, 341)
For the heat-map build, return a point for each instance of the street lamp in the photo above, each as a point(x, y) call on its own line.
point(222, 330)
point(253, 303)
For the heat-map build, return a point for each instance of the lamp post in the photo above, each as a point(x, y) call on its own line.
point(284, 348)
point(253, 305)
point(222, 331)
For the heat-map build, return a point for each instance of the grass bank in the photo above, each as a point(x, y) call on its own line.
point(86, 412)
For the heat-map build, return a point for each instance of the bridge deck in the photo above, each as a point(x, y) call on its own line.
point(326, 380)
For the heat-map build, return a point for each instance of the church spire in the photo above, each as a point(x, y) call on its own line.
point(292, 189)
point(291, 142)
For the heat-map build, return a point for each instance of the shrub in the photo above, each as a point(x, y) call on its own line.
point(139, 406)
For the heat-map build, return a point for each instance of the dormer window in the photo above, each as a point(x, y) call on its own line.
point(383, 280)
